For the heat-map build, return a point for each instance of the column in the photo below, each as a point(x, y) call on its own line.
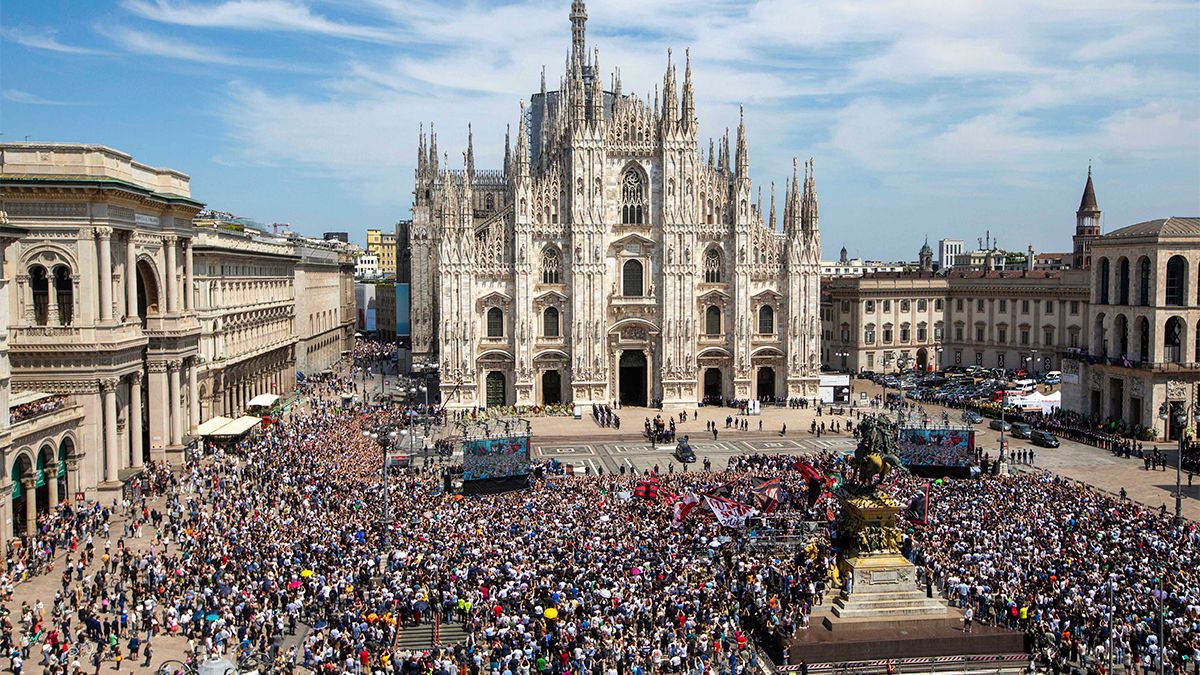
point(6, 514)
point(187, 275)
point(173, 393)
point(169, 243)
point(108, 391)
point(29, 493)
point(52, 483)
point(135, 419)
point(193, 398)
point(131, 304)
point(104, 236)
point(157, 405)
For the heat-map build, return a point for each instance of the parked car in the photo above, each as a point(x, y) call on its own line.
point(999, 425)
point(1021, 430)
point(972, 417)
point(1044, 439)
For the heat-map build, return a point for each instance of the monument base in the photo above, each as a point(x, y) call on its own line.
point(882, 588)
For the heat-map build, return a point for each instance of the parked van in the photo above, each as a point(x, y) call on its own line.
point(1021, 430)
point(1024, 386)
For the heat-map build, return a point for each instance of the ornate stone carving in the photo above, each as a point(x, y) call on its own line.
point(1177, 390)
point(109, 384)
point(48, 209)
point(103, 233)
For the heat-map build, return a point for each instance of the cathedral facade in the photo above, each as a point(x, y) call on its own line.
point(609, 260)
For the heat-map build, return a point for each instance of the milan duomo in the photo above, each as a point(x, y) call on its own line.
point(610, 261)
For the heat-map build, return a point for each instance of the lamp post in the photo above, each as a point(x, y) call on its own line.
point(385, 441)
point(1179, 411)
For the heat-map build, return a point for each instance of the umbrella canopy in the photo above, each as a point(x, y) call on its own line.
point(304, 574)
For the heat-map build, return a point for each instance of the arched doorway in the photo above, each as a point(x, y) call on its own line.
point(495, 389)
point(147, 290)
point(922, 359)
point(21, 468)
point(712, 386)
point(633, 378)
point(551, 387)
point(765, 384)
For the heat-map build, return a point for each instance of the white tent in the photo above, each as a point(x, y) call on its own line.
point(262, 401)
point(211, 427)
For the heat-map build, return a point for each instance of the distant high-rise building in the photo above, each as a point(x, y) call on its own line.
point(947, 250)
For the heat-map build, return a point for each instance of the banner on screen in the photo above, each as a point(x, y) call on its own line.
point(492, 458)
point(937, 447)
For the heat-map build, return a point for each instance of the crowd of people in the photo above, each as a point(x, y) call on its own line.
point(26, 411)
point(275, 547)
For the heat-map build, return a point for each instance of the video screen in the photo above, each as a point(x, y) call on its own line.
point(937, 447)
point(485, 459)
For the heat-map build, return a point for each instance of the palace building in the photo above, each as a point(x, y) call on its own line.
point(610, 260)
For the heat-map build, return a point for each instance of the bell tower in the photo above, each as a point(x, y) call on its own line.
point(1087, 225)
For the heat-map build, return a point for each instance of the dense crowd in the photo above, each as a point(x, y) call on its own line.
point(25, 411)
point(274, 548)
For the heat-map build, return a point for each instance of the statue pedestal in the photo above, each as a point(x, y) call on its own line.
point(883, 587)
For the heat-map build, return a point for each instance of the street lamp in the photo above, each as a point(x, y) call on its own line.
point(1180, 412)
point(385, 441)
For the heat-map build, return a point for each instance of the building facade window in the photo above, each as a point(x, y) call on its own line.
point(905, 332)
point(1024, 306)
point(922, 306)
point(979, 334)
point(887, 305)
point(1074, 308)
point(712, 321)
point(712, 266)
point(495, 323)
point(1002, 334)
point(1003, 305)
point(633, 198)
point(766, 320)
point(1176, 281)
point(869, 334)
point(631, 279)
point(1024, 336)
point(887, 333)
point(904, 306)
point(550, 322)
point(1049, 308)
point(869, 306)
point(551, 266)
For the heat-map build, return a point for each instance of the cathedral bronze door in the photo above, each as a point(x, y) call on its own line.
point(633, 378)
point(495, 389)
point(713, 394)
point(766, 384)
point(551, 388)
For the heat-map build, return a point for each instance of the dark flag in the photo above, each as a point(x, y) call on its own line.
point(767, 495)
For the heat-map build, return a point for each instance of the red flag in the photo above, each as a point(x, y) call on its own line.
point(684, 506)
point(728, 512)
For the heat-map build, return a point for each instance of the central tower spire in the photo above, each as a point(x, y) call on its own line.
point(578, 35)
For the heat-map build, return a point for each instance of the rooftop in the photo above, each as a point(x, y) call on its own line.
point(85, 162)
point(1163, 228)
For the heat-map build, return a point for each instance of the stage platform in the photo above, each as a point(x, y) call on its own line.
point(899, 638)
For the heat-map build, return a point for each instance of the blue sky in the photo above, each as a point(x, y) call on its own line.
point(923, 116)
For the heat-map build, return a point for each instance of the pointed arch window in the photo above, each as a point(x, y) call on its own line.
point(712, 266)
point(550, 322)
point(633, 198)
point(551, 266)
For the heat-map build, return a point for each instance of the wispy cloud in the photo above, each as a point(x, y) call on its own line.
point(18, 96)
point(150, 44)
point(42, 38)
point(270, 15)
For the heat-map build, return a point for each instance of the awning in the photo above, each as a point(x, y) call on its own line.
point(238, 427)
point(262, 401)
point(212, 426)
point(26, 397)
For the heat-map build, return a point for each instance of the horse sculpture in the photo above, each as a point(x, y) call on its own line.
point(875, 455)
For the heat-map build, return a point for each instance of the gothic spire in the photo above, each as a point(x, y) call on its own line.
point(670, 111)
point(743, 155)
point(578, 35)
point(808, 219)
point(507, 151)
point(710, 153)
point(597, 107)
point(543, 84)
point(772, 206)
point(433, 151)
point(689, 94)
point(617, 82)
point(522, 159)
point(422, 156)
point(725, 152)
point(791, 208)
point(469, 158)
point(758, 204)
